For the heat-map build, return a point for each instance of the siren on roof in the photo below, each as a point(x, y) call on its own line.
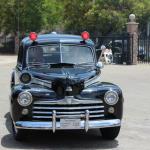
point(85, 35)
point(33, 36)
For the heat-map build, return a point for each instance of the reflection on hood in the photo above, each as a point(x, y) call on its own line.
point(74, 73)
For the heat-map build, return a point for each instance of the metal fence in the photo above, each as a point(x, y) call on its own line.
point(144, 49)
point(119, 44)
point(7, 44)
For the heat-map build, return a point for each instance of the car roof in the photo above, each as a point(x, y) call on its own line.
point(57, 38)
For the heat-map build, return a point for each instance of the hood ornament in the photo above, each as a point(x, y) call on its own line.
point(69, 89)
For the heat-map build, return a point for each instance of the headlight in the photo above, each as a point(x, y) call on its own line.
point(111, 97)
point(24, 99)
point(25, 78)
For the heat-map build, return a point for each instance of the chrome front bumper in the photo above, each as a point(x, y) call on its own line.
point(86, 125)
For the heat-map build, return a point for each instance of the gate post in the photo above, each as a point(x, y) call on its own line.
point(132, 29)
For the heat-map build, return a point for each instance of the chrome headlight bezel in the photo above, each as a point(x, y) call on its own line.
point(107, 96)
point(27, 96)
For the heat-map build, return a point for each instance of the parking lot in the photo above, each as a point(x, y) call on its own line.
point(135, 132)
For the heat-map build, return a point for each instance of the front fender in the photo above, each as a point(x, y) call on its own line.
point(12, 80)
point(36, 91)
point(98, 90)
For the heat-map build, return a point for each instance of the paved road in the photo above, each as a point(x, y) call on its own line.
point(6, 59)
point(135, 132)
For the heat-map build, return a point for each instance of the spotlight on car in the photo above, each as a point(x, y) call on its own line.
point(25, 78)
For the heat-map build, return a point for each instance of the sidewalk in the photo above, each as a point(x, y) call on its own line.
point(7, 59)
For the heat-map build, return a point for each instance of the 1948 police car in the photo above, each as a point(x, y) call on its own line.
point(56, 86)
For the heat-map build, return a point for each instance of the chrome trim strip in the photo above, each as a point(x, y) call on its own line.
point(92, 80)
point(41, 82)
point(67, 108)
point(92, 116)
point(69, 113)
point(48, 125)
point(54, 121)
point(42, 112)
point(42, 117)
point(87, 120)
point(67, 116)
point(63, 101)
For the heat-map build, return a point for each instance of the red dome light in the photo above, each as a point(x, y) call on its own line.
point(33, 36)
point(85, 35)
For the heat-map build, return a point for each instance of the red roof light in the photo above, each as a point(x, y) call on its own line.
point(85, 35)
point(33, 36)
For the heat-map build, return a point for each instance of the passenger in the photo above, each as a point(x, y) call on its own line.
point(36, 55)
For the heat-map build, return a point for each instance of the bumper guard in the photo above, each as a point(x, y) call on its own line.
point(55, 125)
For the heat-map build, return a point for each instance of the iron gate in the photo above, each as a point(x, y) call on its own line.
point(119, 44)
point(7, 44)
point(144, 49)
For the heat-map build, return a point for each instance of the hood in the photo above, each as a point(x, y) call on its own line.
point(70, 74)
point(65, 81)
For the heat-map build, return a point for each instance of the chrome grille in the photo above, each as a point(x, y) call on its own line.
point(42, 110)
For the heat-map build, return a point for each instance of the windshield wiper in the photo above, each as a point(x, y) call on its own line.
point(82, 64)
point(62, 64)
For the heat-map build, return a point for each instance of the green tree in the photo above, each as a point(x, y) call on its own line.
point(52, 15)
point(34, 15)
point(7, 15)
point(99, 17)
point(29, 13)
point(102, 17)
point(75, 15)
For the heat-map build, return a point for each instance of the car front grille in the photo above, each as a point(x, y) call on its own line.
point(43, 110)
point(61, 90)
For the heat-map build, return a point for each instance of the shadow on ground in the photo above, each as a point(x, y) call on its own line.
point(61, 140)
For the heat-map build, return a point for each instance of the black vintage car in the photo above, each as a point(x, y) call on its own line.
point(56, 86)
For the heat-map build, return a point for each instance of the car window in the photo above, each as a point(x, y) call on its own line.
point(73, 54)
point(20, 55)
point(44, 54)
point(76, 54)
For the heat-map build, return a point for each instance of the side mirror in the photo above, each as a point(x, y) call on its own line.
point(100, 65)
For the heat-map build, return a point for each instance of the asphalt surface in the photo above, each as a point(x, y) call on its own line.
point(135, 131)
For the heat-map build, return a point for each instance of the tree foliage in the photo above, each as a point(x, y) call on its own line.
point(52, 15)
point(100, 17)
point(34, 15)
point(30, 13)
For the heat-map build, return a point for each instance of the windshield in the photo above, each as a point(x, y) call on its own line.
point(52, 54)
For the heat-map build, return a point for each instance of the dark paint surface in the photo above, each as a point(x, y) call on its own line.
point(61, 77)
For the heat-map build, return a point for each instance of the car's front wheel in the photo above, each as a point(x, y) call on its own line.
point(110, 133)
point(19, 134)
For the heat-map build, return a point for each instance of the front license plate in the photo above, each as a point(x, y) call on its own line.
point(70, 123)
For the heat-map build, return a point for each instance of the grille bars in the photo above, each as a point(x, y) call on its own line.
point(54, 121)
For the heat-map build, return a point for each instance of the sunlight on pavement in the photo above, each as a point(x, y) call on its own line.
point(7, 59)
